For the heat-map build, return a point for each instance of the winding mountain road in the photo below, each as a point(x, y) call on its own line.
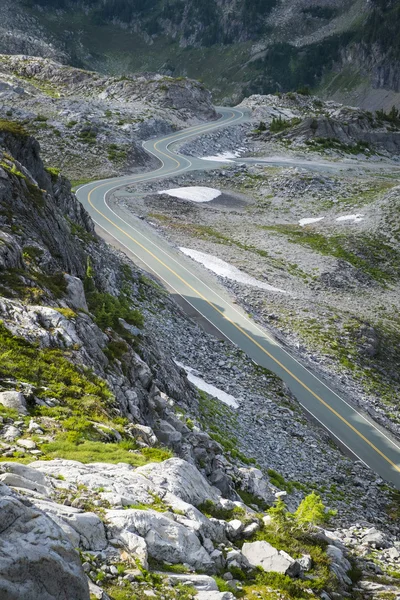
point(353, 431)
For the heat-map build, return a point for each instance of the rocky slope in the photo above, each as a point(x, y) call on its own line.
point(92, 126)
point(118, 478)
point(347, 49)
point(317, 224)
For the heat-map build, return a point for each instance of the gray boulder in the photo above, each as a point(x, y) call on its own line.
point(76, 293)
point(36, 558)
point(24, 477)
point(14, 400)
point(339, 564)
point(374, 537)
point(165, 539)
point(88, 526)
point(254, 482)
point(264, 555)
point(203, 583)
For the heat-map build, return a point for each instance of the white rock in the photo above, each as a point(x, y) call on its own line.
point(305, 562)
point(88, 526)
point(27, 444)
point(375, 537)
point(166, 540)
point(26, 472)
point(254, 482)
point(200, 582)
point(90, 529)
point(250, 530)
point(393, 553)
point(14, 400)
point(264, 555)
point(181, 479)
point(17, 481)
point(234, 528)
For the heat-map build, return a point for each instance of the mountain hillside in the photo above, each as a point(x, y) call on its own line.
point(119, 479)
point(348, 50)
point(93, 126)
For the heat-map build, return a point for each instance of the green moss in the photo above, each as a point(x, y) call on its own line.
point(13, 127)
point(88, 136)
point(115, 350)
point(80, 232)
point(108, 309)
point(53, 172)
point(252, 500)
point(67, 312)
point(32, 286)
point(79, 393)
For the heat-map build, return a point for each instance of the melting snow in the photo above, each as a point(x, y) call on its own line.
point(195, 194)
point(224, 269)
point(354, 218)
point(208, 388)
point(222, 157)
point(310, 220)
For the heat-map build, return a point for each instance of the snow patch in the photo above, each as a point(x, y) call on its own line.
point(207, 387)
point(224, 269)
point(194, 194)
point(353, 218)
point(225, 157)
point(310, 220)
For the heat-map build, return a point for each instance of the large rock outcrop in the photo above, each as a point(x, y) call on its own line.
point(37, 559)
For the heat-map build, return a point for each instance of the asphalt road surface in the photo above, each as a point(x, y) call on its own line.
point(358, 435)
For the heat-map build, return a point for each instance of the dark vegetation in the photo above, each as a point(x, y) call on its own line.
point(278, 124)
point(382, 27)
point(202, 20)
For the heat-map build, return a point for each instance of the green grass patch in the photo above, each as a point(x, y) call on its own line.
point(89, 451)
point(371, 254)
point(53, 172)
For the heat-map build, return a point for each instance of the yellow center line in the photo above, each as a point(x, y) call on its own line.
point(338, 415)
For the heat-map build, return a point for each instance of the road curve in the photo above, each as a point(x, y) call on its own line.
point(359, 435)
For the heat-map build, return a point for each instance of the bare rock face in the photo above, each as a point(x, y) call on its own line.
point(14, 400)
point(165, 539)
point(36, 558)
point(182, 479)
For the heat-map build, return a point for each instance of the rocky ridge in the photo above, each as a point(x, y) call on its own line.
point(346, 49)
point(92, 126)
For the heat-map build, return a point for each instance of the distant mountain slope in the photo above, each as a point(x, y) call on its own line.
point(347, 49)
